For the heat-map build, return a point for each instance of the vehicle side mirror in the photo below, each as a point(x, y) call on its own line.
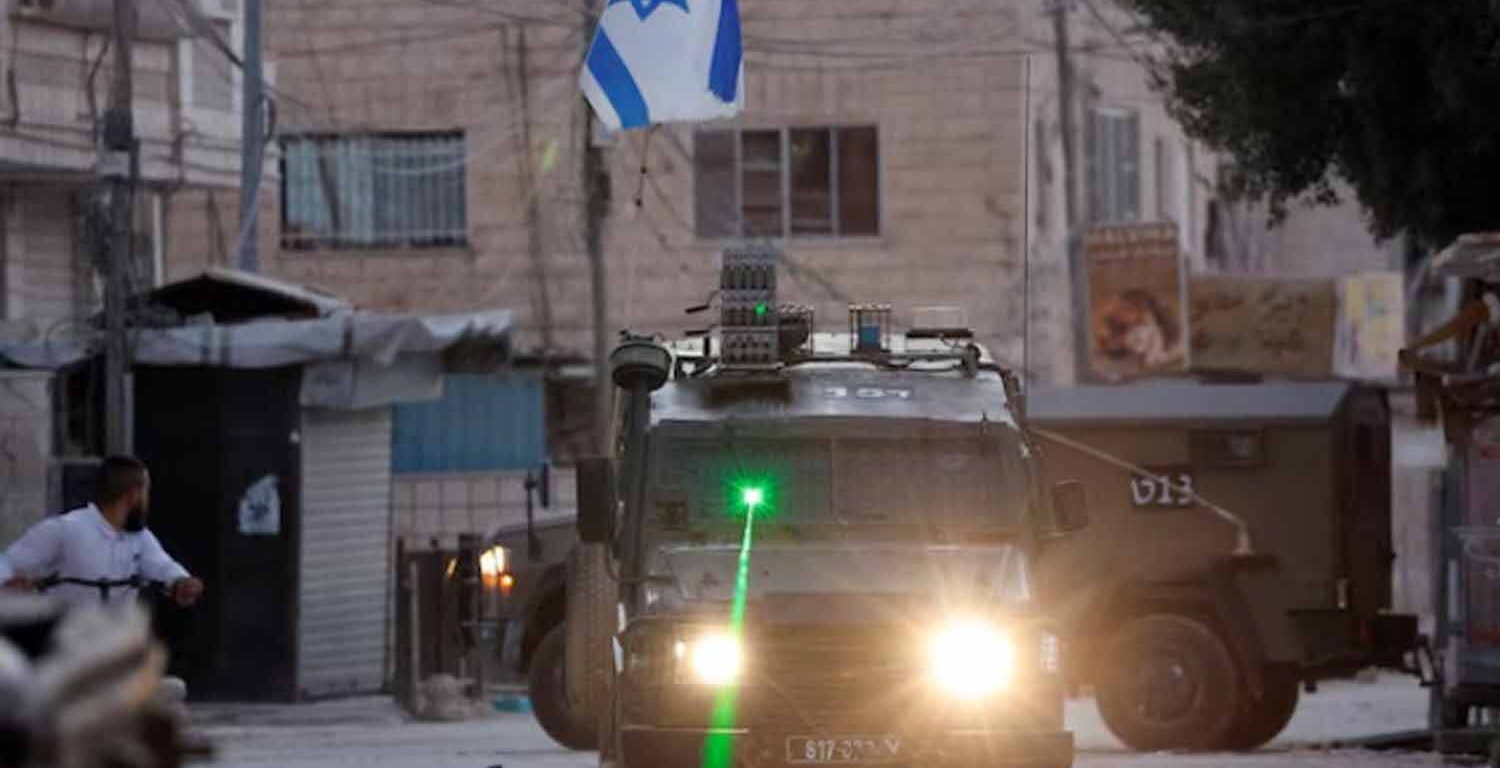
point(1070, 506)
point(596, 500)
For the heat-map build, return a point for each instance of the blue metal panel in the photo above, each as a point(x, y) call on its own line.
point(483, 423)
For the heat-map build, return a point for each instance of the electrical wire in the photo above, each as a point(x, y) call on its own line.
point(1142, 59)
point(443, 36)
point(554, 89)
point(494, 145)
point(498, 13)
point(190, 18)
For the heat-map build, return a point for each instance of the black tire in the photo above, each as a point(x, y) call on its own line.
point(1169, 682)
point(1262, 720)
point(610, 753)
point(549, 695)
point(590, 623)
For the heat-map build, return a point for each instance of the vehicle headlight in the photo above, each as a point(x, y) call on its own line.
point(972, 659)
point(711, 658)
point(493, 561)
point(494, 569)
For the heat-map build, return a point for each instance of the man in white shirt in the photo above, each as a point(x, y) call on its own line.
point(104, 545)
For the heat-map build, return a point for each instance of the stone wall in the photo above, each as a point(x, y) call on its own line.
point(25, 447)
point(951, 161)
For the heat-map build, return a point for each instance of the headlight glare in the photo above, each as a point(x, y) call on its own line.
point(972, 659)
point(712, 658)
point(494, 569)
point(493, 561)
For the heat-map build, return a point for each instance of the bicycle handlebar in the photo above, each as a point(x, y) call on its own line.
point(105, 586)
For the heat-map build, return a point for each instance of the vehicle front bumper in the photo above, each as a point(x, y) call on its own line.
point(645, 746)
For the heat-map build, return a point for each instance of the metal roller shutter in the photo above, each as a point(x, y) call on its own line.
point(346, 483)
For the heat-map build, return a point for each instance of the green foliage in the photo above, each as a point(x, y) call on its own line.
point(1401, 98)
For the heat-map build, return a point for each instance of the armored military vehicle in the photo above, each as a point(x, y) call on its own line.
point(810, 548)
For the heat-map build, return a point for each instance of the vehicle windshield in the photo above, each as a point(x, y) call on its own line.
point(883, 480)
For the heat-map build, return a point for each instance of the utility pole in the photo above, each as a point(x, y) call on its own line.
point(118, 166)
point(543, 300)
point(1077, 269)
point(252, 144)
point(595, 181)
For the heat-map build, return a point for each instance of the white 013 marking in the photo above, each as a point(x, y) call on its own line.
point(1162, 490)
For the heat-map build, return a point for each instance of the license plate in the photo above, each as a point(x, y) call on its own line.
point(814, 750)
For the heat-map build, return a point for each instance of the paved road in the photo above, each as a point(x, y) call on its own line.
point(371, 733)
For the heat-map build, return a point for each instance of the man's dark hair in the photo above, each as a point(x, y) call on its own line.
point(118, 476)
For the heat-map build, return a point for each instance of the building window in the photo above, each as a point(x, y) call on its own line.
point(796, 182)
point(212, 73)
point(374, 191)
point(1113, 150)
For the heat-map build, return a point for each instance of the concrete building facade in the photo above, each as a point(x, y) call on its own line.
point(54, 58)
point(935, 144)
point(431, 156)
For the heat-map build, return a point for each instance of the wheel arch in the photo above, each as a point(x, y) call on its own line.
point(1236, 598)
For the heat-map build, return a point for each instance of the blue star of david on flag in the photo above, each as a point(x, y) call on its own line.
point(644, 8)
point(682, 64)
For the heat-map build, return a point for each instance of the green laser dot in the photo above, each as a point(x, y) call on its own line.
point(761, 310)
point(753, 497)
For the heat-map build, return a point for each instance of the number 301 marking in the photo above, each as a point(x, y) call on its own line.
point(866, 393)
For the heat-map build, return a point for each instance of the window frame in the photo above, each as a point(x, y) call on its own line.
point(784, 133)
point(1104, 200)
point(346, 240)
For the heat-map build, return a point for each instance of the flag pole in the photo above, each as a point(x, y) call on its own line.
point(595, 207)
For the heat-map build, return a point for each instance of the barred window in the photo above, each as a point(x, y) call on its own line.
point(797, 182)
point(1113, 142)
point(389, 190)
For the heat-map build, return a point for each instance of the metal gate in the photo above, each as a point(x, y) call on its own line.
point(346, 562)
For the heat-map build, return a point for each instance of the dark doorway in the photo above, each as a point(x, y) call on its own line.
point(209, 436)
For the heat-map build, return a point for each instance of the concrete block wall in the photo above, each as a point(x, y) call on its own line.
point(25, 448)
point(951, 189)
point(440, 507)
point(952, 161)
point(60, 93)
point(44, 282)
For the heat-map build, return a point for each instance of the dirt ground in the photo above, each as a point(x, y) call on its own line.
point(372, 733)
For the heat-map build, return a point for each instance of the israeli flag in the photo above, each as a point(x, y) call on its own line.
point(656, 61)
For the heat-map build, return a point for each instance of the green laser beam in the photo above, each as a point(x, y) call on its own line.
point(718, 746)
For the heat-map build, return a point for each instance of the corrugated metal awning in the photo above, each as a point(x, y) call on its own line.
point(367, 336)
